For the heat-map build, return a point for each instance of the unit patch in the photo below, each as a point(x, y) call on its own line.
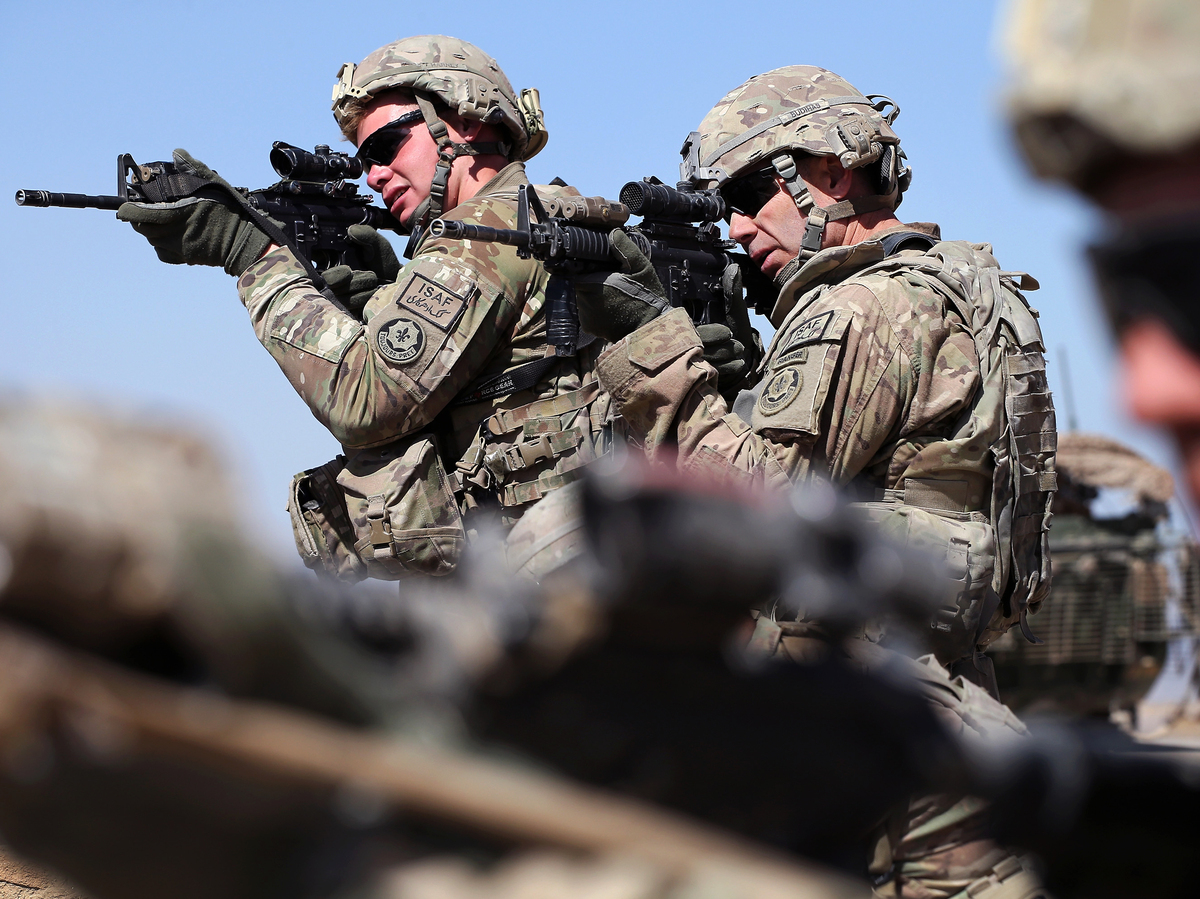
point(780, 390)
point(809, 331)
point(400, 340)
point(439, 304)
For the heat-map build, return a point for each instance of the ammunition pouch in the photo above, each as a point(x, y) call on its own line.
point(388, 512)
point(929, 520)
point(520, 455)
point(321, 524)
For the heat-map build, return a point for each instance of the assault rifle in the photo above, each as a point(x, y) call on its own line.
point(678, 232)
point(312, 205)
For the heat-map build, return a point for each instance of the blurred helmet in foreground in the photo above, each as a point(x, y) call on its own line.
point(1097, 80)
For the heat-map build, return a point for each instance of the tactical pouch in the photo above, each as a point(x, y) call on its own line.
point(402, 508)
point(387, 512)
point(966, 543)
point(321, 525)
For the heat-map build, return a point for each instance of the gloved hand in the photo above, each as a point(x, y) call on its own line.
point(734, 348)
point(354, 286)
point(724, 353)
point(618, 303)
point(198, 230)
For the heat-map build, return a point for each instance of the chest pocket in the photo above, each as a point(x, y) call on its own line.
point(802, 367)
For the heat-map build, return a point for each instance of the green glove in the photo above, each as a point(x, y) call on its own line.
point(198, 230)
point(614, 304)
point(724, 353)
point(354, 286)
point(734, 349)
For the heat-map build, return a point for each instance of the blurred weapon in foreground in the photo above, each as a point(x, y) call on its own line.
point(213, 741)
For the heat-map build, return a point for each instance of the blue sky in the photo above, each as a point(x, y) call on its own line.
point(92, 314)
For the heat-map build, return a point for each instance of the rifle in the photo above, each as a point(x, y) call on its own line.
point(311, 206)
point(678, 233)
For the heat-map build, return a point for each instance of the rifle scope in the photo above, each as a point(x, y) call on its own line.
point(321, 165)
point(646, 198)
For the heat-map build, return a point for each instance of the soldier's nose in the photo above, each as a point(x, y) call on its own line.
point(1161, 376)
point(741, 228)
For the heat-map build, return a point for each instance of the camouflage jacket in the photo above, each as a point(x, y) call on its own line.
point(917, 378)
point(863, 372)
point(460, 313)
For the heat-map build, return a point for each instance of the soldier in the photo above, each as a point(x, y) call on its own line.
point(1104, 98)
point(439, 384)
point(904, 367)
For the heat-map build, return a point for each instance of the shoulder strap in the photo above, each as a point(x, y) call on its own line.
point(513, 381)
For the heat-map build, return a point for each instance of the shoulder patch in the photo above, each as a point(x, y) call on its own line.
point(824, 326)
point(400, 340)
point(780, 390)
point(811, 329)
point(441, 303)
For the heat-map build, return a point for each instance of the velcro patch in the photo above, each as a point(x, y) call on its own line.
point(824, 326)
point(810, 330)
point(439, 303)
point(400, 340)
point(780, 390)
point(792, 396)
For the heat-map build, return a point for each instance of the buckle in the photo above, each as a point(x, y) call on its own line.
point(536, 450)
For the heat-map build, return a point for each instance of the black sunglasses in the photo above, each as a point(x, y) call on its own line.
point(382, 144)
point(748, 194)
point(1151, 273)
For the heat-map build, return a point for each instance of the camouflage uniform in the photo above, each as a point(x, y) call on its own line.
point(904, 366)
point(874, 380)
point(434, 354)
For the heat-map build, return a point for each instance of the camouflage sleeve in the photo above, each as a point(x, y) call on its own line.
point(425, 337)
point(835, 388)
point(667, 395)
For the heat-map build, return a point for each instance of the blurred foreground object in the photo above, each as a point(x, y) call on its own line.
point(95, 514)
point(609, 730)
point(1105, 96)
point(1124, 587)
point(1095, 82)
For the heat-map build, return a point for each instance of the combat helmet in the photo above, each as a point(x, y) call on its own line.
point(461, 77)
point(799, 109)
point(1100, 80)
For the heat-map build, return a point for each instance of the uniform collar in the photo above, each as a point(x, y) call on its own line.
point(505, 181)
point(833, 265)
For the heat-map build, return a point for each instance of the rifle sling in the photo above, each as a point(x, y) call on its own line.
point(183, 184)
point(520, 378)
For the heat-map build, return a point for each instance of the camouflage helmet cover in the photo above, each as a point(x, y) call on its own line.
point(1095, 79)
point(793, 109)
point(458, 74)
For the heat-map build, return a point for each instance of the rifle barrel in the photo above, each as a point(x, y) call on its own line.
point(74, 201)
point(464, 231)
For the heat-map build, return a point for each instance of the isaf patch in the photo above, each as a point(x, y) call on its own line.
point(439, 304)
point(400, 340)
point(780, 390)
point(809, 331)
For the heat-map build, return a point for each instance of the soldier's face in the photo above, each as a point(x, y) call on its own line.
point(1161, 383)
point(772, 237)
point(404, 181)
point(1160, 372)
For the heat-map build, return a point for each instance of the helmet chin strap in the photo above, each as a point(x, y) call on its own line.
point(448, 151)
point(819, 216)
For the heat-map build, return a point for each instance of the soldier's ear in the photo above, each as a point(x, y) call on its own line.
point(468, 129)
point(827, 175)
point(838, 181)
